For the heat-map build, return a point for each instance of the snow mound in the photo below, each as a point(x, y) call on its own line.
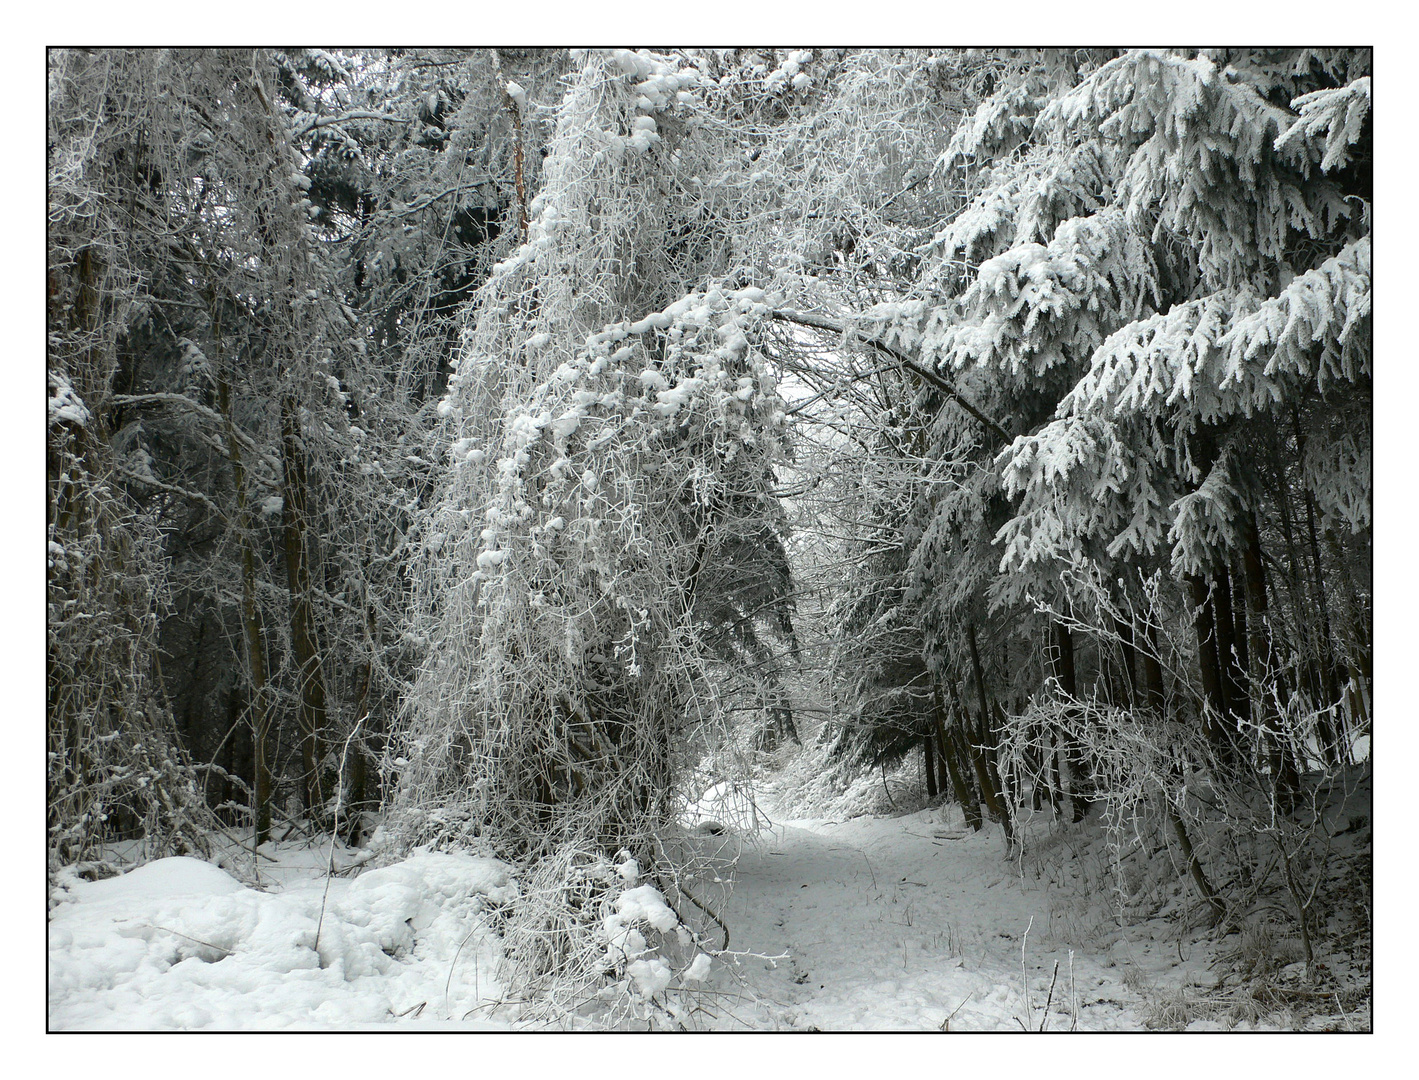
point(177, 876)
point(179, 943)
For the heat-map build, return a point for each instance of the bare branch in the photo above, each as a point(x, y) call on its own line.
point(817, 322)
point(315, 122)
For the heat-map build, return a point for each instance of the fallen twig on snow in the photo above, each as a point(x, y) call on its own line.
point(1024, 976)
point(1044, 1022)
point(946, 1024)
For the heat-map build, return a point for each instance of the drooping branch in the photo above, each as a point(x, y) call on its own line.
point(306, 126)
point(818, 322)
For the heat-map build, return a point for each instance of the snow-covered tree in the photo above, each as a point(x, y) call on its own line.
point(1221, 298)
point(270, 380)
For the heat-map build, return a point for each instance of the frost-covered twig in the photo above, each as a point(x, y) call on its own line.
point(1028, 1022)
point(1049, 998)
point(335, 829)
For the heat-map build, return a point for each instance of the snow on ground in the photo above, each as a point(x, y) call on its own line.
point(907, 924)
point(180, 943)
point(874, 923)
point(907, 921)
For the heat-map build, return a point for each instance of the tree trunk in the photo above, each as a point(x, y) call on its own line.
point(359, 771)
point(965, 760)
point(192, 736)
point(228, 759)
point(1350, 603)
point(1063, 659)
point(989, 743)
point(1232, 676)
point(967, 735)
point(1154, 693)
point(1325, 655)
point(1194, 864)
point(1261, 660)
point(1303, 636)
point(1357, 650)
point(252, 633)
point(311, 683)
point(1241, 642)
point(990, 783)
point(950, 754)
point(1205, 628)
point(1220, 597)
point(1124, 631)
point(1056, 777)
point(928, 758)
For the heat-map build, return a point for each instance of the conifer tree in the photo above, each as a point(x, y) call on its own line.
point(1238, 313)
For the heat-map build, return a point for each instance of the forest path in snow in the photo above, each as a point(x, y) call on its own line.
point(903, 924)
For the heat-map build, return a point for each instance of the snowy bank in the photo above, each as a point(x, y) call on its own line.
point(179, 943)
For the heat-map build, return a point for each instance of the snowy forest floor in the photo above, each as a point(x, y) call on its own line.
point(901, 922)
point(907, 920)
point(912, 922)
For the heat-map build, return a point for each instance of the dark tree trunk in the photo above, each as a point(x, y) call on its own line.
point(955, 764)
point(295, 519)
point(928, 759)
point(989, 741)
point(1303, 636)
point(1154, 694)
point(1194, 865)
point(966, 769)
point(1241, 641)
point(1259, 653)
point(1205, 627)
point(1325, 655)
point(1357, 650)
point(358, 765)
point(1308, 635)
point(230, 758)
point(1069, 683)
point(252, 633)
point(1035, 765)
point(1055, 774)
point(1124, 631)
point(1361, 657)
point(990, 784)
point(968, 736)
point(1358, 661)
point(1261, 659)
point(1232, 675)
point(1064, 660)
point(1222, 624)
